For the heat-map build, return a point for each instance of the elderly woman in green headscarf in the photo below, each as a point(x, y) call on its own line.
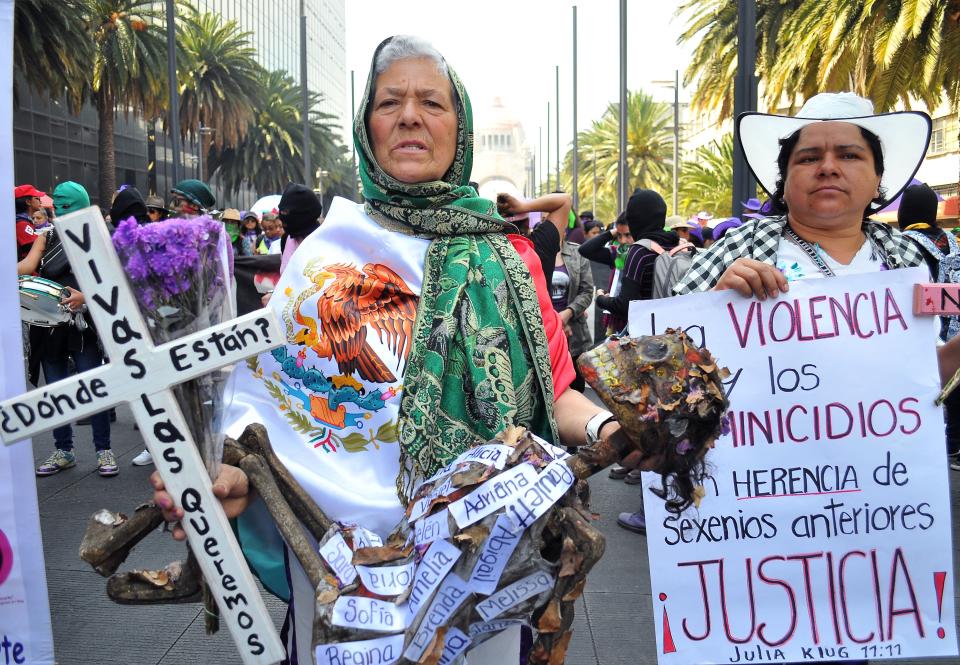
point(416, 327)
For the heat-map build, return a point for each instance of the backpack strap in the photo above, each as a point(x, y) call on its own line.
point(924, 241)
point(683, 247)
point(653, 246)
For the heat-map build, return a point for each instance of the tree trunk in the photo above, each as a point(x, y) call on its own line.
point(108, 175)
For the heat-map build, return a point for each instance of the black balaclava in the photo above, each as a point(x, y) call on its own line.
point(299, 210)
point(128, 203)
point(918, 205)
point(646, 214)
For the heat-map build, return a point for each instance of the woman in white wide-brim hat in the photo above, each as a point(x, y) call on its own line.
point(829, 167)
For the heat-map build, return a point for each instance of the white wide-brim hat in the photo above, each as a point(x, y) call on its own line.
point(903, 135)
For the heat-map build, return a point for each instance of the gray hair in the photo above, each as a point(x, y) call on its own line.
point(405, 47)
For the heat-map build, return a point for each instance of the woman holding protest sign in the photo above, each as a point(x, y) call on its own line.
point(455, 305)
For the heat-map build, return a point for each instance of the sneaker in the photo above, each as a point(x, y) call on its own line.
point(635, 522)
point(955, 461)
point(635, 477)
point(143, 459)
point(107, 463)
point(57, 462)
point(619, 472)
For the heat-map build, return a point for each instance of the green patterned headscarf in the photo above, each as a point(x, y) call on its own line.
point(479, 358)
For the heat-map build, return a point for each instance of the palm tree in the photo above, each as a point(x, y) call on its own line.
point(218, 78)
point(649, 152)
point(128, 70)
point(50, 49)
point(885, 50)
point(706, 182)
point(270, 155)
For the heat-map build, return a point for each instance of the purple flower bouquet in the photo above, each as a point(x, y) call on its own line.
point(180, 271)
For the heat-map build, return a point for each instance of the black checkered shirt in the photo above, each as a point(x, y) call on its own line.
point(759, 239)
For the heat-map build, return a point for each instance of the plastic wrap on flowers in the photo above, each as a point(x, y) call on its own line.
point(181, 271)
point(496, 539)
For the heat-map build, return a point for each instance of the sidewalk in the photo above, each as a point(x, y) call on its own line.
point(614, 624)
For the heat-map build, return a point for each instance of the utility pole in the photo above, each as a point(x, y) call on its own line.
point(558, 124)
point(549, 189)
point(623, 174)
point(576, 154)
point(353, 116)
point(594, 208)
point(539, 161)
point(172, 84)
point(744, 98)
point(676, 141)
point(305, 93)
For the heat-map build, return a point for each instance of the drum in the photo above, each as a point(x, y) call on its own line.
point(40, 302)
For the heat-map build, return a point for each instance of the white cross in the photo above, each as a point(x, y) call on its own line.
point(141, 374)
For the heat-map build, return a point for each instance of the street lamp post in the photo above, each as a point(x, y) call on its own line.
point(594, 209)
point(675, 84)
point(623, 172)
point(203, 131)
point(321, 174)
point(576, 155)
point(174, 115)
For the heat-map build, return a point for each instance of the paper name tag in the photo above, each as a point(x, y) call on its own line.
point(432, 528)
point(339, 557)
point(451, 595)
point(494, 626)
point(516, 593)
point(436, 563)
point(493, 558)
point(421, 507)
point(382, 651)
point(550, 485)
point(497, 492)
point(364, 538)
point(555, 451)
point(387, 580)
point(493, 454)
point(454, 644)
point(369, 614)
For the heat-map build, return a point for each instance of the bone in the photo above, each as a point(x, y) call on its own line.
point(110, 536)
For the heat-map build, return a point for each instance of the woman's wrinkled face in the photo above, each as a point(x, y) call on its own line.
point(413, 121)
point(830, 175)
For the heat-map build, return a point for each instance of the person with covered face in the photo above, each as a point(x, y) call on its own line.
point(415, 303)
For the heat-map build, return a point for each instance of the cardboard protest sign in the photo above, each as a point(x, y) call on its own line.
point(825, 532)
point(25, 634)
point(141, 374)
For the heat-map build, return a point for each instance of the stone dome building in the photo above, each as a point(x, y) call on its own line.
point(501, 158)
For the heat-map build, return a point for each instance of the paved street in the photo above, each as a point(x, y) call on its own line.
point(614, 624)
